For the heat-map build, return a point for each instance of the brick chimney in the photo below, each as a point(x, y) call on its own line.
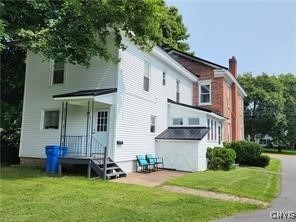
point(233, 66)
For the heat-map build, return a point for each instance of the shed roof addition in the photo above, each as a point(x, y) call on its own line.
point(183, 133)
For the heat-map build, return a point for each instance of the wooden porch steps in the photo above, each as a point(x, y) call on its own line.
point(113, 171)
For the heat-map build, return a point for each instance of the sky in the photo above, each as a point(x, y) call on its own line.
point(260, 34)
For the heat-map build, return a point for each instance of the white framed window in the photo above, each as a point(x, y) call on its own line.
point(177, 121)
point(219, 134)
point(228, 96)
point(102, 121)
point(177, 91)
point(147, 70)
point(208, 125)
point(205, 93)
point(163, 78)
point(50, 119)
point(215, 133)
point(58, 76)
point(212, 129)
point(153, 124)
point(193, 121)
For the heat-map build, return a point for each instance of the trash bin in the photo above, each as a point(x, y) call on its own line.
point(52, 158)
point(63, 151)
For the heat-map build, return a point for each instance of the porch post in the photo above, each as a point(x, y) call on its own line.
point(65, 124)
point(62, 125)
point(87, 127)
point(91, 128)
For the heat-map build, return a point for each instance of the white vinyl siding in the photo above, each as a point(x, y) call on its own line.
point(38, 96)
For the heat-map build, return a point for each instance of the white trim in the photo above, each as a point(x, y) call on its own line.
point(201, 83)
point(158, 52)
point(230, 79)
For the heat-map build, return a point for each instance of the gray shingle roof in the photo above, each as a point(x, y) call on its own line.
point(183, 133)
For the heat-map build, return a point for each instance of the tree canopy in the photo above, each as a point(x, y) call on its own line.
point(270, 107)
point(77, 30)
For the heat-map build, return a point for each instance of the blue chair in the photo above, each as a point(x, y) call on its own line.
point(155, 161)
point(142, 164)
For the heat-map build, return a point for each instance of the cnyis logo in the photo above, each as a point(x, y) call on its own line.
point(282, 215)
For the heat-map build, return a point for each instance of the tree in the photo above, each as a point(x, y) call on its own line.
point(77, 30)
point(264, 106)
point(74, 31)
point(289, 83)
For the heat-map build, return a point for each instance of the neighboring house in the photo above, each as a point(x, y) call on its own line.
point(142, 105)
point(217, 90)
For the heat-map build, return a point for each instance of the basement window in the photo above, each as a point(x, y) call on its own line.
point(51, 119)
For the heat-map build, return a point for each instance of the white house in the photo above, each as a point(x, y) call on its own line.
point(141, 105)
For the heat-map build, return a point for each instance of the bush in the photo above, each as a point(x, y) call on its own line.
point(220, 158)
point(247, 153)
point(262, 161)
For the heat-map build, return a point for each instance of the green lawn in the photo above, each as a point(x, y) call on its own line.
point(30, 195)
point(254, 182)
point(275, 151)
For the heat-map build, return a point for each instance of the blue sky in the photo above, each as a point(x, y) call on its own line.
point(261, 34)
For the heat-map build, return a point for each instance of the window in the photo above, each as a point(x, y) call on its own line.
point(215, 127)
point(219, 135)
point(228, 96)
point(178, 121)
point(163, 78)
point(146, 75)
point(102, 121)
point(208, 125)
point(212, 129)
point(58, 72)
point(177, 91)
point(205, 93)
point(51, 119)
point(153, 124)
point(193, 121)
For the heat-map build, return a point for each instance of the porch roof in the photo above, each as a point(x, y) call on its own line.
point(90, 92)
point(183, 133)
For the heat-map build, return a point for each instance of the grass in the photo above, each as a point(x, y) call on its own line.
point(30, 195)
point(275, 151)
point(253, 182)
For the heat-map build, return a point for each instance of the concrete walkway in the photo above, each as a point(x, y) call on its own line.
point(149, 179)
point(284, 203)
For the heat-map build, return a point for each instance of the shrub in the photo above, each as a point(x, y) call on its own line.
point(220, 158)
point(262, 161)
point(247, 153)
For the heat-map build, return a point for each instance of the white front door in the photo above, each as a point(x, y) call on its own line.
point(101, 126)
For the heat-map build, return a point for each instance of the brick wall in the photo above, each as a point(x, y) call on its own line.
point(226, 100)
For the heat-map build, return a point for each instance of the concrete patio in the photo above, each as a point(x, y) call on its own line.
point(149, 179)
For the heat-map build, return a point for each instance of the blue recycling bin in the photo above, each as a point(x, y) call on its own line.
point(52, 158)
point(63, 151)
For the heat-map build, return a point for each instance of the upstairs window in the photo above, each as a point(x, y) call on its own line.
point(177, 121)
point(58, 72)
point(193, 121)
point(177, 91)
point(204, 93)
point(153, 124)
point(51, 119)
point(163, 78)
point(147, 68)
